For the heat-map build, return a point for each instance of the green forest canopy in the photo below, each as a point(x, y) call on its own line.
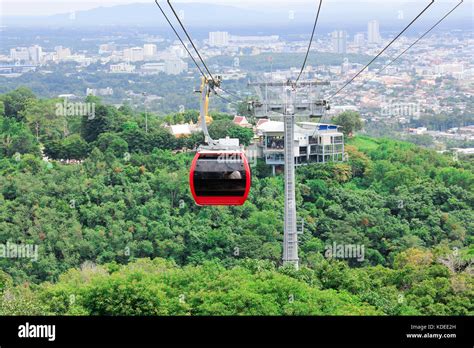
point(98, 224)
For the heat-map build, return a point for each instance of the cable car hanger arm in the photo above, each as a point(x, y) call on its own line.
point(204, 108)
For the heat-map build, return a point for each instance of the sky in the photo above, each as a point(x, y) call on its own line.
point(50, 7)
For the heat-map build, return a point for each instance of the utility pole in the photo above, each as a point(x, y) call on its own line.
point(146, 113)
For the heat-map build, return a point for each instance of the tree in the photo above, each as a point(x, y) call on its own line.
point(15, 137)
point(92, 127)
point(219, 128)
point(41, 117)
point(112, 142)
point(75, 147)
point(349, 121)
point(222, 128)
point(16, 101)
point(359, 162)
point(243, 108)
point(245, 135)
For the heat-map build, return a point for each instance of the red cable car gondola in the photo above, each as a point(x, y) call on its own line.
point(220, 177)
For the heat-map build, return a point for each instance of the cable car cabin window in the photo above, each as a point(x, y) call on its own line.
point(220, 175)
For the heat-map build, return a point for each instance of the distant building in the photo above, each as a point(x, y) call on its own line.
point(338, 39)
point(218, 38)
point(359, 39)
point(233, 74)
point(466, 130)
point(417, 131)
point(152, 68)
point(80, 58)
point(36, 53)
point(107, 48)
point(337, 109)
point(261, 121)
point(373, 32)
point(252, 40)
point(62, 52)
point(149, 50)
point(182, 130)
point(33, 54)
point(313, 143)
point(178, 51)
point(122, 68)
point(20, 54)
point(464, 151)
point(134, 54)
point(241, 121)
point(99, 91)
point(175, 66)
point(454, 69)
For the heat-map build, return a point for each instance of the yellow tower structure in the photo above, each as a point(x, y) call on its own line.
point(206, 105)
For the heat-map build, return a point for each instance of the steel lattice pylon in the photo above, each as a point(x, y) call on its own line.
point(289, 104)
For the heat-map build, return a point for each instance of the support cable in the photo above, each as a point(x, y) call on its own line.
point(414, 43)
point(177, 35)
point(191, 41)
point(382, 51)
point(310, 41)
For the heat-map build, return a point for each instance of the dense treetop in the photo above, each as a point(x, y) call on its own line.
point(99, 222)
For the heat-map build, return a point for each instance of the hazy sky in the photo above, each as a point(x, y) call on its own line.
point(48, 7)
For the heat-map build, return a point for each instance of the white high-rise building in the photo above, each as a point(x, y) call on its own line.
point(178, 51)
point(373, 32)
point(62, 52)
point(36, 53)
point(339, 41)
point(133, 54)
point(218, 38)
point(149, 50)
point(359, 39)
point(175, 66)
point(20, 53)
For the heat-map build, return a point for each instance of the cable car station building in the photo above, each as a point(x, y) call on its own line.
point(314, 142)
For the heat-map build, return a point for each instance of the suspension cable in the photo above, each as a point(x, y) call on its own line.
point(190, 40)
point(420, 38)
point(230, 93)
point(177, 35)
point(224, 98)
point(310, 41)
point(383, 50)
point(414, 43)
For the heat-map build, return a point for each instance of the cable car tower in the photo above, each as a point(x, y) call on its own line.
point(289, 100)
point(298, 100)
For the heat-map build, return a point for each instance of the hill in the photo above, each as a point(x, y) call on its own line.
point(246, 18)
point(126, 199)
